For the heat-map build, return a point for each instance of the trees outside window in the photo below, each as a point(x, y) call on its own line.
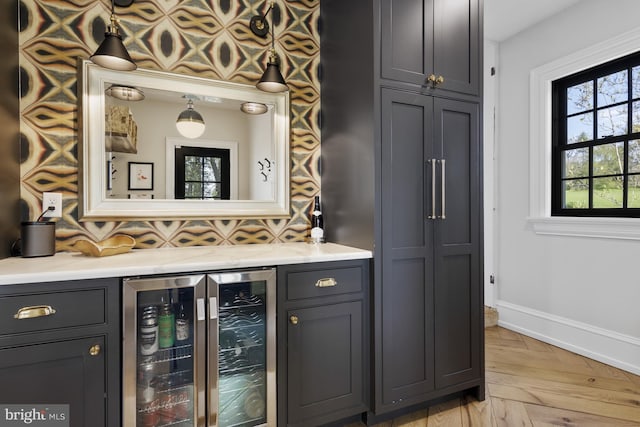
point(202, 173)
point(596, 141)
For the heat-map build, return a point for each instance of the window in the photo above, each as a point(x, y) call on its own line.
point(596, 141)
point(202, 173)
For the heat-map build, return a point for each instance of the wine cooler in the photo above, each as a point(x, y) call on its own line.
point(199, 350)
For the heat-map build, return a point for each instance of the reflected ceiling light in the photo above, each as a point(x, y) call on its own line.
point(111, 53)
point(190, 123)
point(125, 93)
point(271, 80)
point(253, 108)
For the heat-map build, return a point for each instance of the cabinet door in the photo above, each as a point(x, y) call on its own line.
point(406, 330)
point(423, 37)
point(63, 372)
point(458, 322)
point(407, 39)
point(457, 45)
point(324, 352)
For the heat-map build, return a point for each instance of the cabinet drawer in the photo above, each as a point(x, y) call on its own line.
point(323, 282)
point(51, 310)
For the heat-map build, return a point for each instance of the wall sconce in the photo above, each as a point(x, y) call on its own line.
point(125, 93)
point(111, 53)
point(272, 80)
point(190, 123)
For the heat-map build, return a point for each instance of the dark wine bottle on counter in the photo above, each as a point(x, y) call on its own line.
point(317, 222)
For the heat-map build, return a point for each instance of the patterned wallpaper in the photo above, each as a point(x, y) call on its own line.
point(206, 38)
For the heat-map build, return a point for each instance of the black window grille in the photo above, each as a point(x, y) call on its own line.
point(596, 141)
point(202, 173)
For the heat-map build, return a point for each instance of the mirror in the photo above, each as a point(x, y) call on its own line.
point(136, 164)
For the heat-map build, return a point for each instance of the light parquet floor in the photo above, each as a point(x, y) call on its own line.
point(531, 383)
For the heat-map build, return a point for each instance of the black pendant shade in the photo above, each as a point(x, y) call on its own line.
point(111, 53)
point(271, 80)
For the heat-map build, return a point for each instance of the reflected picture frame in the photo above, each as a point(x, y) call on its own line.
point(140, 175)
point(139, 196)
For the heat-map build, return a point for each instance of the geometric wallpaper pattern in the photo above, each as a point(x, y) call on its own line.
point(205, 38)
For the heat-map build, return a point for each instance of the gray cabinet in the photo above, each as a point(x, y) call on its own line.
point(60, 344)
point(431, 43)
point(402, 177)
point(430, 287)
point(61, 372)
point(406, 292)
point(323, 342)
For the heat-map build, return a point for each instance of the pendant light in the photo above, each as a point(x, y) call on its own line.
point(190, 123)
point(111, 53)
point(125, 93)
point(271, 80)
point(254, 108)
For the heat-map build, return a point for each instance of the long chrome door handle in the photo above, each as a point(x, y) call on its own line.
point(433, 189)
point(444, 186)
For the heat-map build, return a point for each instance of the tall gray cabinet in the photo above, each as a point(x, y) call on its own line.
point(401, 175)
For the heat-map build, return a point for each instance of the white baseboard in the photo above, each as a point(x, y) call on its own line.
point(612, 348)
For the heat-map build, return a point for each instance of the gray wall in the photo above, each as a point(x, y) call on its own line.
point(9, 126)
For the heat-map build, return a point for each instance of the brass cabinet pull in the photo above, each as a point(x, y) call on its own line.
point(95, 350)
point(293, 319)
point(439, 80)
point(326, 283)
point(34, 311)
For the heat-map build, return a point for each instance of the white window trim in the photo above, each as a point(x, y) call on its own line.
point(540, 81)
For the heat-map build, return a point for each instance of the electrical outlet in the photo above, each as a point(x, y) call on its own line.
point(55, 200)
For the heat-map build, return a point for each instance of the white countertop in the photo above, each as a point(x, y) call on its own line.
point(75, 266)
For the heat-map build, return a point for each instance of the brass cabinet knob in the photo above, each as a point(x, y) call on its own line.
point(95, 350)
point(294, 320)
point(435, 80)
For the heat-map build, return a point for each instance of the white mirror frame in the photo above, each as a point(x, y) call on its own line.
point(93, 204)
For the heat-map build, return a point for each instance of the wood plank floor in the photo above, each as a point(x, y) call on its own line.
point(531, 383)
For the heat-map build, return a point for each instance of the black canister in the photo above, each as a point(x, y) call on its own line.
point(38, 238)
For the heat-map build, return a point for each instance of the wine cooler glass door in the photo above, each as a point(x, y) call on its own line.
point(164, 327)
point(242, 363)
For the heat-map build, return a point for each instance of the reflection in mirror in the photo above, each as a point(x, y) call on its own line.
point(237, 167)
